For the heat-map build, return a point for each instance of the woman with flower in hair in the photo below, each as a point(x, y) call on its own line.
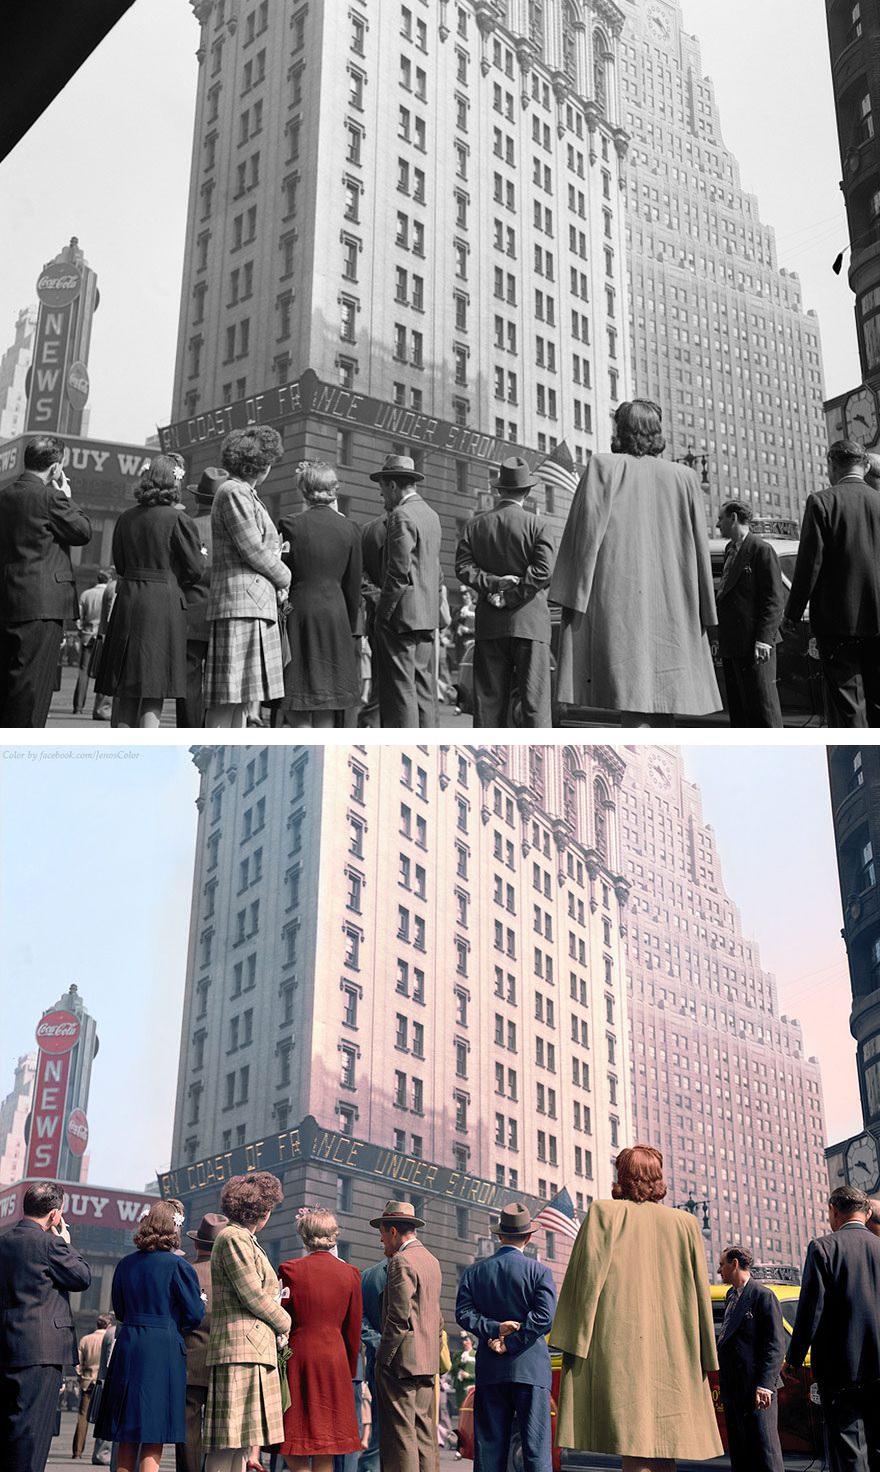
point(634, 1323)
point(156, 1299)
point(157, 553)
point(243, 1408)
point(322, 548)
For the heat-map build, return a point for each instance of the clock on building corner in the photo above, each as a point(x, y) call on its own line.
point(660, 772)
point(862, 418)
point(863, 1163)
point(659, 28)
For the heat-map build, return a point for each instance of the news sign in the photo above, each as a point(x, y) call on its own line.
point(47, 375)
point(57, 1034)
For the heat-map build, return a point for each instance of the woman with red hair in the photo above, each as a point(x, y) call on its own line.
point(634, 1322)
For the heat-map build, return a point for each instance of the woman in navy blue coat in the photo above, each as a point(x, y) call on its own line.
point(157, 1299)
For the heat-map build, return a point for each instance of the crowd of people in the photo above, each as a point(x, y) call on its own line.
point(238, 1361)
point(322, 622)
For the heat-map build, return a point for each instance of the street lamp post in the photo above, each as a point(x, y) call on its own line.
point(693, 1208)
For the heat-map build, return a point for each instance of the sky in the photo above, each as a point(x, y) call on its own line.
point(96, 856)
point(109, 162)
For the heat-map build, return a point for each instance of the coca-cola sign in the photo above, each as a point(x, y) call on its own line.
point(57, 1032)
point(59, 283)
point(77, 1132)
point(77, 385)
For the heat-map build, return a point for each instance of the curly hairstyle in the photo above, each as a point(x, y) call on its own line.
point(248, 452)
point(247, 1199)
point(639, 1175)
point(159, 485)
point(638, 429)
point(157, 1232)
point(316, 482)
point(318, 1228)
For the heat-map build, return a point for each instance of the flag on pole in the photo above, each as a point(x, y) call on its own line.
point(558, 1215)
point(559, 469)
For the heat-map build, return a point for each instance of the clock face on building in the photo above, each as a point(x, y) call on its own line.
point(863, 1163)
point(862, 420)
point(658, 23)
point(660, 772)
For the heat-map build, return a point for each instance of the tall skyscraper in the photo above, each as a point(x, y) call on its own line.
point(420, 949)
point(720, 337)
point(14, 1111)
point(14, 367)
point(406, 232)
point(720, 1082)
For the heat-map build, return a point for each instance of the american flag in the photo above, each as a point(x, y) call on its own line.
point(559, 469)
point(558, 1215)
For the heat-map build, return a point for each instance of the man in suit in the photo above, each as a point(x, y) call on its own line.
point(373, 1280)
point(408, 611)
point(39, 522)
point(838, 573)
point(87, 1374)
point(751, 1348)
point(38, 1271)
point(839, 1315)
point(408, 1356)
point(191, 709)
point(188, 1454)
point(506, 556)
point(749, 603)
point(88, 623)
point(507, 1302)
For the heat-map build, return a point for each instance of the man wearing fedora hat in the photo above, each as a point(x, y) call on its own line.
point(506, 555)
point(189, 1453)
point(408, 611)
point(191, 710)
point(408, 1356)
point(507, 1303)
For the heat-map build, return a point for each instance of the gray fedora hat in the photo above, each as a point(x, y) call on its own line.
point(209, 483)
point(515, 475)
point(400, 467)
point(515, 1220)
point(397, 1214)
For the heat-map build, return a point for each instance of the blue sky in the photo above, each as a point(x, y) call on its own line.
point(96, 853)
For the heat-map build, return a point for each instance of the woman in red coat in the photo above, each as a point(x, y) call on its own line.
point(323, 1297)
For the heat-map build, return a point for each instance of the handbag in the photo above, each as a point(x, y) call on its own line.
point(284, 1354)
point(95, 653)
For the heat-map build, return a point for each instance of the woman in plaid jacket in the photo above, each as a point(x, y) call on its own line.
point(248, 578)
point(244, 1391)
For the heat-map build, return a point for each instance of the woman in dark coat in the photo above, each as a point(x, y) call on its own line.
point(323, 551)
point(157, 553)
point(323, 1297)
point(156, 1299)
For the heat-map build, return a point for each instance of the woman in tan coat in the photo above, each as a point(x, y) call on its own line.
point(244, 1391)
point(634, 1322)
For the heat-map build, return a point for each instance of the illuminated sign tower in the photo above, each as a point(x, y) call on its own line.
point(58, 383)
point(58, 1131)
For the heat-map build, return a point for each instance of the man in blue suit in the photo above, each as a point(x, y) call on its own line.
point(507, 1303)
point(373, 1282)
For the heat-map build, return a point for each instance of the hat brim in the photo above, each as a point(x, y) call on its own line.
point(397, 475)
point(397, 1221)
point(501, 489)
point(500, 1231)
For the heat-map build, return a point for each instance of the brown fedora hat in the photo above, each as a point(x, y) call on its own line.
point(397, 1214)
point(514, 475)
point(209, 1229)
point(208, 485)
point(398, 467)
point(515, 1220)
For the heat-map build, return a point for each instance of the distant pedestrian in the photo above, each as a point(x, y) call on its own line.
point(243, 1408)
point(322, 548)
point(191, 707)
point(88, 624)
point(87, 1373)
point(838, 573)
point(838, 1320)
point(103, 707)
point(750, 600)
point(636, 1263)
point(39, 1269)
point(248, 581)
point(634, 578)
point(156, 1299)
point(188, 1453)
point(39, 523)
point(751, 1348)
point(157, 555)
point(408, 611)
point(506, 555)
